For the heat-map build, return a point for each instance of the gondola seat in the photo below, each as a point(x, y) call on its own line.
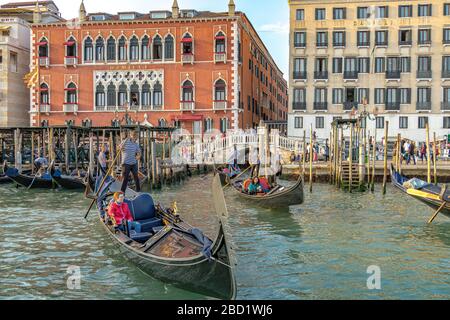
point(143, 211)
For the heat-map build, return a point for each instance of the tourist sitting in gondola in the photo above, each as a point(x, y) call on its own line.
point(118, 211)
point(257, 186)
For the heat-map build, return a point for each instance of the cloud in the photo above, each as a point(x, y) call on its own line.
point(274, 28)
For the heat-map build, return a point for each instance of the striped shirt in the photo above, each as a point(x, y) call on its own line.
point(129, 151)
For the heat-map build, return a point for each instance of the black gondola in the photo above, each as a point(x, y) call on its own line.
point(28, 181)
point(433, 192)
point(278, 197)
point(169, 249)
point(4, 179)
point(67, 182)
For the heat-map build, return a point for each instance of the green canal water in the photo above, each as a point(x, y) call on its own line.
point(319, 250)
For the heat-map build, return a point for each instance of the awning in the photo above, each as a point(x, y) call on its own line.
point(43, 43)
point(186, 40)
point(43, 89)
point(70, 89)
point(69, 43)
point(187, 87)
point(188, 118)
point(220, 38)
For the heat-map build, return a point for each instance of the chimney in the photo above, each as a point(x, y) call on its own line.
point(175, 10)
point(82, 12)
point(231, 8)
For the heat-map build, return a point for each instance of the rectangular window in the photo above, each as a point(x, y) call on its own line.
point(363, 13)
point(338, 95)
point(13, 62)
point(363, 38)
point(423, 95)
point(446, 66)
point(339, 13)
point(300, 14)
point(298, 122)
point(446, 36)
point(446, 95)
point(300, 68)
point(405, 11)
point(424, 64)
point(299, 99)
point(364, 65)
point(405, 96)
point(322, 39)
point(446, 9)
point(405, 64)
point(320, 122)
point(392, 96)
point(425, 10)
point(350, 65)
point(320, 95)
point(446, 123)
point(403, 123)
point(380, 65)
point(320, 14)
point(381, 38)
point(405, 37)
point(422, 122)
point(339, 38)
point(393, 64)
point(379, 95)
point(300, 39)
point(382, 12)
point(363, 96)
point(337, 65)
point(380, 122)
point(424, 36)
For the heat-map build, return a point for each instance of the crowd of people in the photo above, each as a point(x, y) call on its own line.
point(410, 153)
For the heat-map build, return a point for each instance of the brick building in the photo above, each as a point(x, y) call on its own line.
point(195, 70)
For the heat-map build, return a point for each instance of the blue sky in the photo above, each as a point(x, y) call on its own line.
point(270, 18)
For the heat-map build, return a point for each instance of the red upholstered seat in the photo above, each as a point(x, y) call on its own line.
point(246, 184)
point(264, 183)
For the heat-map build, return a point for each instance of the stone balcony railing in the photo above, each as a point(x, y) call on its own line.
point(70, 61)
point(70, 107)
point(187, 105)
point(220, 57)
point(44, 108)
point(44, 61)
point(220, 105)
point(187, 58)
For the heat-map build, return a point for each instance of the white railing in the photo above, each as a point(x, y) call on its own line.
point(71, 61)
point(220, 105)
point(70, 107)
point(187, 58)
point(44, 61)
point(44, 108)
point(187, 105)
point(220, 57)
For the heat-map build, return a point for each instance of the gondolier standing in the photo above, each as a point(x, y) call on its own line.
point(131, 153)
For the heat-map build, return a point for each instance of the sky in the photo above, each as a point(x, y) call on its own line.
point(269, 17)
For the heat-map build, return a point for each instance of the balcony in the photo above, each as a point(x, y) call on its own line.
point(70, 61)
point(351, 75)
point(300, 44)
point(338, 44)
point(320, 75)
point(393, 75)
point(446, 41)
point(392, 106)
point(44, 61)
point(300, 106)
point(70, 107)
point(299, 75)
point(445, 106)
point(445, 74)
point(320, 106)
point(322, 44)
point(134, 107)
point(219, 105)
point(220, 57)
point(187, 105)
point(158, 107)
point(424, 75)
point(423, 106)
point(187, 58)
point(350, 105)
point(424, 42)
point(100, 108)
point(44, 108)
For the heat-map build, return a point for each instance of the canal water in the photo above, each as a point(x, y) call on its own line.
point(319, 250)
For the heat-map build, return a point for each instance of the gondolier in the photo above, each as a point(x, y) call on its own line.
point(131, 153)
point(40, 162)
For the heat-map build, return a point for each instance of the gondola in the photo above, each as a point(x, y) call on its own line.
point(169, 249)
point(28, 180)
point(4, 179)
point(433, 191)
point(225, 176)
point(65, 181)
point(278, 197)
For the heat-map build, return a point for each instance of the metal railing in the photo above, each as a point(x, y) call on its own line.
point(393, 74)
point(299, 105)
point(392, 106)
point(321, 75)
point(300, 75)
point(351, 75)
point(349, 105)
point(423, 106)
point(427, 74)
point(320, 105)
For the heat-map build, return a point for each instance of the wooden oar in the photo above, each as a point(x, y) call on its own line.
point(103, 182)
point(444, 189)
point(238, 176)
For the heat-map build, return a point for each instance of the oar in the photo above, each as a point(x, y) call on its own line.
point(444, 189)
point(103, 182)
point(238, 176)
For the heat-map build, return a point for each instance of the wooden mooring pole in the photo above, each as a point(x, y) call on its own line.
point(386, 131)
point(427, 128)
point(434, 159)
point(311, 158)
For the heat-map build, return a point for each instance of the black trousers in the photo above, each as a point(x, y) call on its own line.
point(126, 169)
point(255, 171)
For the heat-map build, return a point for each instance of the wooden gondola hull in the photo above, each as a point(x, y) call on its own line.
point(200, 275)
point(434, 204)
point(290, 196)
point(70, 183)
point(4, 179)
point(28, 181)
